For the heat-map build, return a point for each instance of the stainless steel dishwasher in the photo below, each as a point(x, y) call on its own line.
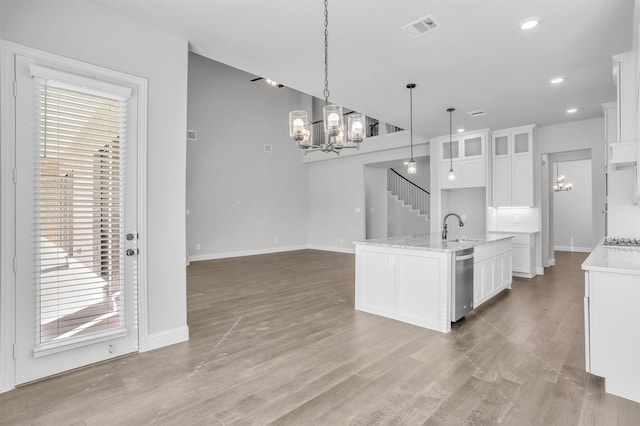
point(462, 292)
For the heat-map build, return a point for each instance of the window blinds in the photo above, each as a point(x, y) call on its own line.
point(80, 209)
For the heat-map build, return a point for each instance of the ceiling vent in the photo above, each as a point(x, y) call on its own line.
point(421, 26)
point(476, 113)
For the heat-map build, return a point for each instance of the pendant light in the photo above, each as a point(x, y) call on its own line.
point(412, 169)
point(452, 175)
point(332, 116)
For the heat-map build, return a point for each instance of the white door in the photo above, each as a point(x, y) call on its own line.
point(76, 171)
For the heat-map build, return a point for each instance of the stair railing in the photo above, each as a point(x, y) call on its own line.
point(408, 192)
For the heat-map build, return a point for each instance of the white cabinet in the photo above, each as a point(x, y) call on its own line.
point(403, 284)
point(512, 182)
point(491, 270)
point(612, 331)
point(623, 151)
point(466, 154)
point(523, 254)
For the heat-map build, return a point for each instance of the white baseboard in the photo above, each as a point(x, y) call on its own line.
point(540, 270)
point(224, 255)
point(573, 249)
point(331, 248)
point(165, 338)
point(552, 262)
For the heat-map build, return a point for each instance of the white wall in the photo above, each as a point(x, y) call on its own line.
point(572, 209)
point(240, 198)
point(336, 190)
point(402, 220)
point(90, 33)
point(376, 196)
point(469, 203)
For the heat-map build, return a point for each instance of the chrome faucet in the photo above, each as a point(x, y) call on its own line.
point(444, 224)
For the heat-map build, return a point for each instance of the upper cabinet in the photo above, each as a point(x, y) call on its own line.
point(512, 180)
point(623, 151)
point(466, 155)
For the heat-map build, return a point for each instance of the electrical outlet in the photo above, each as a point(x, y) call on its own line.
point(188, 212)
point(516, 219)
point(275, 240)
point(341, 240)
point(357, 209)
point(371, 210)
point(198, 247)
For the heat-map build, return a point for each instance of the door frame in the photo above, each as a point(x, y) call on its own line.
point(8, 307)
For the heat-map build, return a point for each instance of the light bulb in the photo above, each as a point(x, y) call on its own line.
point(357, 128)
point(529, 23)
point(452, 176)
point(298, 124)
point(333, 119)
point(412, 168)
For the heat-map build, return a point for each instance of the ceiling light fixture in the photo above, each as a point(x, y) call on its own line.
point(572, 110)
point(460, 130)
point(452, 175)
point(560, 185)
point(333, 118)
point(557, 80)
point(412, 169)
point(529, 23)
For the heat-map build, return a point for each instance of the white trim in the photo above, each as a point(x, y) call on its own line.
point(522, 274)
point(552, 262)
point(7, 218)
point(165, 338)
point(332, 248)
point(573, 249)
point(242, 253)
point(540, 270)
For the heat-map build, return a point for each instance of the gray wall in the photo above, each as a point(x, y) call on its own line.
point(574, 136)
point(572, 209)
point(402, 221)
point(85, 31)
point(376, 195)
point(471, 203)
point(242, 200)
point(336, 194)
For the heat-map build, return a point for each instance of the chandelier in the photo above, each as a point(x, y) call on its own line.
point(560, 185)
point(332, 116)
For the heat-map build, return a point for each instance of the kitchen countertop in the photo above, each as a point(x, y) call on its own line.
point(434, 242)
point(513, 232)
point(621, 260)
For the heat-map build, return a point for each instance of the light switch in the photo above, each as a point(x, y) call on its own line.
point(357, 209)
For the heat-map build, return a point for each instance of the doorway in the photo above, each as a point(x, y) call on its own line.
point(75, 146)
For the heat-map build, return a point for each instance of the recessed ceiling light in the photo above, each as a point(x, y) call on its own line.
point(529, 23)
point(460, 130)
point(557, 80)
point(572, 110)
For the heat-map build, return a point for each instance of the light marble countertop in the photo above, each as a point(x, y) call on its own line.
point(621, 260)
point(434, 242)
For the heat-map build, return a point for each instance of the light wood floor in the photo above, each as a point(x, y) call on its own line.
point(275, 339)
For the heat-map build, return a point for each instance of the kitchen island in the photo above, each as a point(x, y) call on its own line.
point(612, 318)
point(410, 278)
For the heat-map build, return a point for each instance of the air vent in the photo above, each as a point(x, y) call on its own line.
point(476, 113)
point(192, 135)
point(268, 148)
point(421, 26)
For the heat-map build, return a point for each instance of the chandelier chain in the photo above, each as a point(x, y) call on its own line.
point(411, 119)
point(326, 52)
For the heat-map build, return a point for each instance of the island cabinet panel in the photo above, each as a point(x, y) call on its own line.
point(491, 270)
point(406, 285)
point(378, 267)
point(612, 331)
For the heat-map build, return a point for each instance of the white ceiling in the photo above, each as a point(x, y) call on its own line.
point(478, 59)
